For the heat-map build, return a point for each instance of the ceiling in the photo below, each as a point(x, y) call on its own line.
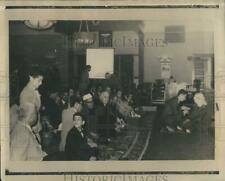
point(69, 27)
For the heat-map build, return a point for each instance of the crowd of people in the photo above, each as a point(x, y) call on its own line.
point(69, 124)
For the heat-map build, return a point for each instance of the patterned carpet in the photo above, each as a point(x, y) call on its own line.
point(130, 144)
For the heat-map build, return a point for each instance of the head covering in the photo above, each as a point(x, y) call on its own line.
point(199, 99)
point(87, 97)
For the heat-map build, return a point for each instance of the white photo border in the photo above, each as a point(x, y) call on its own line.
point(213, 15)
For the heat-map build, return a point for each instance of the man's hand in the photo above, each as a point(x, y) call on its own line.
point(185, 108)
point(92, 144)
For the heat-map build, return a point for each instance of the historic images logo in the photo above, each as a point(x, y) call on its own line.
point(71, 177)
point(129, 42)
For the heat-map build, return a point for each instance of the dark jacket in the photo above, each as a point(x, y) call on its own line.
point(198, 117)
point(172, 112)
point(105, 120)
point(77, 147)
point(54, 111)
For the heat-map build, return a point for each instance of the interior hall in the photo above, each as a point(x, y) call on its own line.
point(111, 89)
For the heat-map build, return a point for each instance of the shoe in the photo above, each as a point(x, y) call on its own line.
point(188, 131)
point(179, 128)
point(171, 130)
point(137, 115)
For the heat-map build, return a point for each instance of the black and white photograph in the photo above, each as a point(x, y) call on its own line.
point(110, 88)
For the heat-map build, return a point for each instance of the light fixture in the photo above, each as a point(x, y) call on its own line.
point(84, 38)
point(39, 24)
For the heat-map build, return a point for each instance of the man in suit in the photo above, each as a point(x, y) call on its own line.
point(105, 118)
point(77, 146)
point(31, 95)
point(24, 145)
point(172, 113)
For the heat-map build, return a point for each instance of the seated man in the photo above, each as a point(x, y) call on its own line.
point(24, 145)
point(67, 120)
point(77, 146)
point(105, 118)
point(195, 119)
point(172, 113)
point(88, 113)
point(123, 105)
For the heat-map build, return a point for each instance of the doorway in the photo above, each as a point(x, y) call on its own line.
point(203, 70)
point(123, 68)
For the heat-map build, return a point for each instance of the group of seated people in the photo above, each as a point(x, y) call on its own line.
point(68, 124)
point(185, 107)
point(185, 113)
point(71, 124)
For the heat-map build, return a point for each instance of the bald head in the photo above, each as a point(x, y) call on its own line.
point(200, 100)
point(104, 97)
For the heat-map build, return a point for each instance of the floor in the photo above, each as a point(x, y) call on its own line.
point(132, 143)
point(142, 140)
point(179, 147)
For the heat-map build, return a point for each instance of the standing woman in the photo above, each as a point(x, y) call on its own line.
point(30, 94)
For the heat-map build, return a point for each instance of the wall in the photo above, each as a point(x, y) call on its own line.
point(36, 46)
point(198, 39)
point(125, 42)
point(30, 41)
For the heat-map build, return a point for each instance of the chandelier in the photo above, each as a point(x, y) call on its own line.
point(39, 24)
point(84, 38)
